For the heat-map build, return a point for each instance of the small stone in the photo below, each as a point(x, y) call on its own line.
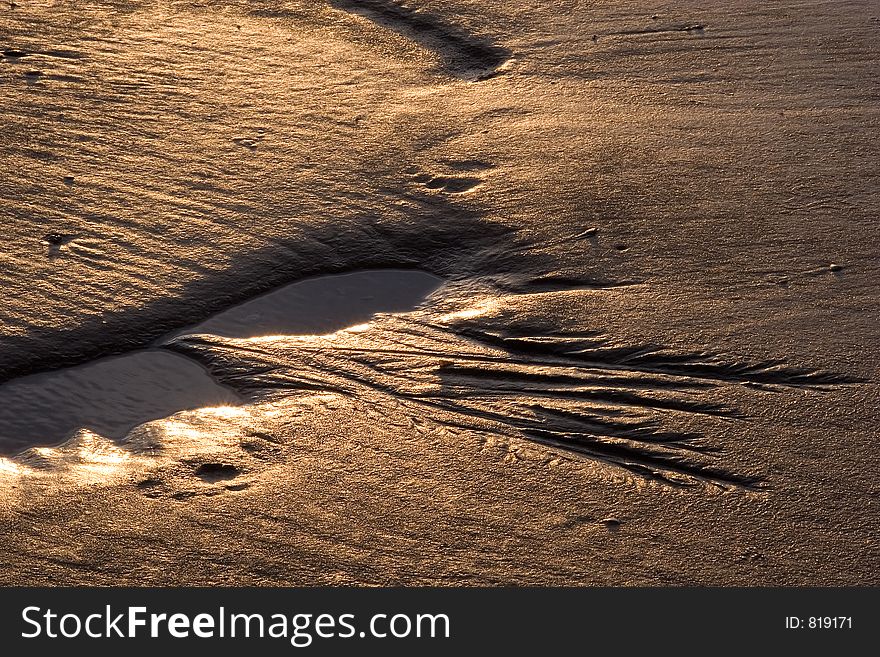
point(55, 239)
point(835, 267)
point(68, 180)
point(610, 522)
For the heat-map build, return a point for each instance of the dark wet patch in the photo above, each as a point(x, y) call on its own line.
point(57, 239)
point(691, 28)
point(463, 54)
point(452, 184)
point(214, 472)
point(611, 524)
point(564, 283)
point(574, 393)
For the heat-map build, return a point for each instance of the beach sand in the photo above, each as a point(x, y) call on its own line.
point(629, 341)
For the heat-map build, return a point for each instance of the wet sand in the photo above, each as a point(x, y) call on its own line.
point(649, 361)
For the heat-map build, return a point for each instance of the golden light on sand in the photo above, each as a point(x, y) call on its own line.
point(357, 328)
point(98, 455)
point(482, 308)
point(227, 412)
point(274, 338)
point(208, 430)
point(11, 468)
point(180, 431)
point(103, 457)
point(305, 337)
point(97, 450)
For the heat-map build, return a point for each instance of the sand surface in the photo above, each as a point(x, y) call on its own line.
point(625, 266)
